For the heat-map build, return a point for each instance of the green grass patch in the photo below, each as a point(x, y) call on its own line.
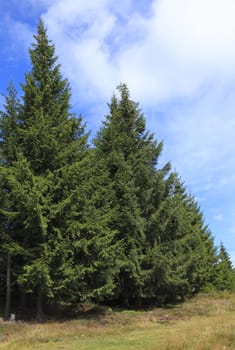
point(203, 323)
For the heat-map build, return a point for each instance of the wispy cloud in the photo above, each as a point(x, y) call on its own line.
point(170, 50)
point(219, 217)
point(15, 36)
point(171, 53)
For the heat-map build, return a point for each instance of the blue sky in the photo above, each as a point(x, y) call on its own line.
point(178, 59)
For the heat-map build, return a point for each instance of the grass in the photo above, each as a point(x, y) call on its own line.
point(203, 323)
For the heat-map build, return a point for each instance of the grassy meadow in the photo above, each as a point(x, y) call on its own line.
point(203, 323)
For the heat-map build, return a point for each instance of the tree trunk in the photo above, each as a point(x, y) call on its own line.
point(8, 289)
point(22, 304)
point(124, 289)
point(40, 315)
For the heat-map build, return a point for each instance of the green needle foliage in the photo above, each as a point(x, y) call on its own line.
point(130, 155)
point(182, 252)
point(102, 224)
point(49, 180)
point(225, 273)
point(53, 143)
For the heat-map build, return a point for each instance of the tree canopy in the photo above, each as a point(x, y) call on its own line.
point(97, 222)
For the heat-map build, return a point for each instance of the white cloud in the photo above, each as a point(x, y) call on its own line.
point(202, 31)
point(80, 29)
point(171, 53)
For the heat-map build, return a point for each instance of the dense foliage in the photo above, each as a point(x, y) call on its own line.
point(101, 223)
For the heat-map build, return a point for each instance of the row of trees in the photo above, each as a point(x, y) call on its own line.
point(102, 222)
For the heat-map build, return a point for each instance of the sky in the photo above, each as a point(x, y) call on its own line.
point(178, 60)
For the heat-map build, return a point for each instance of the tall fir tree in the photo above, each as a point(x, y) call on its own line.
point(64, 233)
point(8, 154)
point(130, 155)
point(181, 249)
point(9, 127)
point(224, 274)
point(50, 140)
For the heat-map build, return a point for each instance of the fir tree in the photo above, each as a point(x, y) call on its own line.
point(51, 141)
point(8, 154)
point(9, 127)
point(224, 271)
point(48, 138)
point(130, 155)
point(88, 264)
point(182, 252)
point(63, 219)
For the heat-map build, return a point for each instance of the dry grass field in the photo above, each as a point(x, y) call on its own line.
point(203, 323)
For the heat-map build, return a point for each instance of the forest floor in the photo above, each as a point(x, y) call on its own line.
point(202, 323)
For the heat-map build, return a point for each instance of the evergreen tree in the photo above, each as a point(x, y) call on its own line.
point(224, 271)
point(8, 126)
point(8, 154)
point(182, 253)
point(62, 224)
point(49, 135)
point(50, 139)
point(130, 155)
point(88, 265)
